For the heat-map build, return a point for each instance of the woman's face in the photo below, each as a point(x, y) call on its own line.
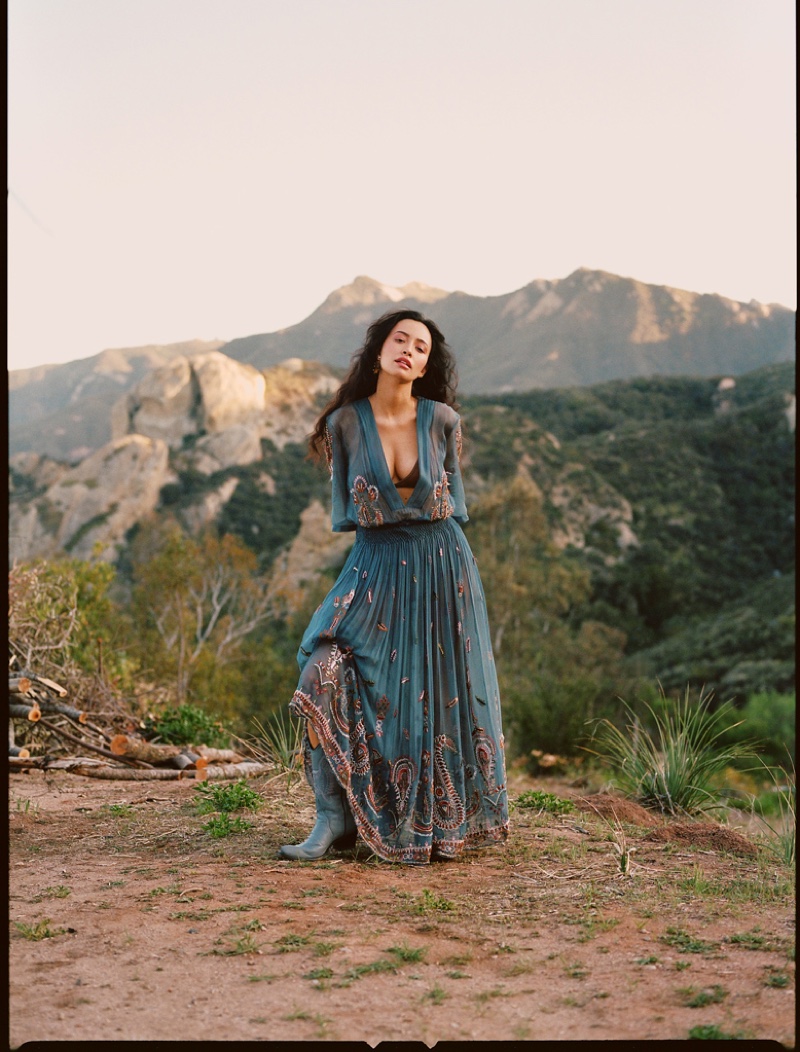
point(405, 352)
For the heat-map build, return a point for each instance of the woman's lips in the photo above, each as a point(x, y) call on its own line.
point(404, 362)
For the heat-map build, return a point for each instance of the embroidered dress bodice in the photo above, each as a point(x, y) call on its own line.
point(363, 492)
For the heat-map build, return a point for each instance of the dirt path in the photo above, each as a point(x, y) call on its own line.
point(158, 931)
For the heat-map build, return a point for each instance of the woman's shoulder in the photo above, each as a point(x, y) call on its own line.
point(443, 415)
point(342, 418)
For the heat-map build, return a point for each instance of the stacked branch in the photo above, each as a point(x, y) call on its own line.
point(43, 703)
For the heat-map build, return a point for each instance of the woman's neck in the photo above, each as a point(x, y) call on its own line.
point(393, 400)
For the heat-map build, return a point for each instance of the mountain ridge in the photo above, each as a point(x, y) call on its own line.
point(587, 328)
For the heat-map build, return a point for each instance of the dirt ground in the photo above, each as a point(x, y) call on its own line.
point(130, 922)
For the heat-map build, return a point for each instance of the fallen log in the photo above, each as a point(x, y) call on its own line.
point(218, 755)
point(26, 712)
point(16, 750)
point(188, 761)
point(121, 745)
point(60, 732)
point(19, 684)
point(46, 705)
point(91, 770)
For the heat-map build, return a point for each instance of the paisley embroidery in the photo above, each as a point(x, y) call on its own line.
point(442, 504)
point(365, 498)
point(459, 442)
point(448, 807)
point(327, 443)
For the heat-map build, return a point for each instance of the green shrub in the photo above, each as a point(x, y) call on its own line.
point(187, 725)
point(769, 718)
point(226, 798)
point(672, 769)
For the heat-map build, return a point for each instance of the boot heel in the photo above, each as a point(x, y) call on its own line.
point(345, 841)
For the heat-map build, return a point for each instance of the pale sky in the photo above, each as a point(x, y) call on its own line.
point(211, 169)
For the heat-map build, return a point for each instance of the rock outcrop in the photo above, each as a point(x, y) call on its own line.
point(87, 510)
point(216, 411)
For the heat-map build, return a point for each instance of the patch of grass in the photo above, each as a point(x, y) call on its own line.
point(319, 973)
point(226, 798)
point(58, 892)
point(781, 831)
point(242, 946)
point(576, 970)
point(429, 902)
point(694, 998)
point(407, 954)
point(540, 802)
point(457, 975)
point(681, 966)
point(261, 978)
point(750, 940)
point(39, 930)
point(713, 1032)
point(436, 995)
point(674, 770)
point(647, 960)
point(375, 968)
point(291, 942)
point(281, 740)
point(779, 979)
point(222, 825)
point(118, 810)
point(686, 943)
point(324, 949)
point(489, 995)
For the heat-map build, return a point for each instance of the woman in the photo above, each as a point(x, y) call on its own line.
point(403, 742)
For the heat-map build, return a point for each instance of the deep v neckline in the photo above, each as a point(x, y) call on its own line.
point(384, 461)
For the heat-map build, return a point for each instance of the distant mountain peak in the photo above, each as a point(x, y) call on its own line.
point(365, 291)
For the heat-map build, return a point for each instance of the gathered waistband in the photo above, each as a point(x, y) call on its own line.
point(405, 532)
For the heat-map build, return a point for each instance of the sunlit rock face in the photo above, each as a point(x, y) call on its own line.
point(88, 510)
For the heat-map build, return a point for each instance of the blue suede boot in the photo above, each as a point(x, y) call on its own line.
point(335, 826)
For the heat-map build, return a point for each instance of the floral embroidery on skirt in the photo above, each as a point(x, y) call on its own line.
point(398, 681)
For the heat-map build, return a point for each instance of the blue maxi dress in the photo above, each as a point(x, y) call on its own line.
point(397, 672)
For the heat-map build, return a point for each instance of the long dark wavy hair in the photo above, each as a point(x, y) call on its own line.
point(438, 383)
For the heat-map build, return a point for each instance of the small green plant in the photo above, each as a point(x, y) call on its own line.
point(59, 892)
point(222, 825)
point(693, 998)
point(429, 902)
point(119, 810)
point(750, 940)
point(780, 980)
point(281, 740)
point(713, 1032)
point(673, 770)
point(686, 943)
point(188, 725)
point(407, 954)
point(647, 960)
point(226, 798)
point(781, 828)
point(40, 930)
point(288, 943)
point(319, 973)
point(539, 801)
point(436, 995)
point(376, 967)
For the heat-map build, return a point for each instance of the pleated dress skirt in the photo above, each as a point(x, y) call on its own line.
point(398, 682)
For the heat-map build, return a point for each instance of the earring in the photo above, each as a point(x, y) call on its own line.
point(376, 368)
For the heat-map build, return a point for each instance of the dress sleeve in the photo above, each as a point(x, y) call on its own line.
point(336, 457)
point(452, 465)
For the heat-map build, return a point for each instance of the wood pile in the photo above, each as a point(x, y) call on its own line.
point(63, 729)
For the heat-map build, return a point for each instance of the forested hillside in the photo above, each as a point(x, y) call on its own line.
point(629, 534)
